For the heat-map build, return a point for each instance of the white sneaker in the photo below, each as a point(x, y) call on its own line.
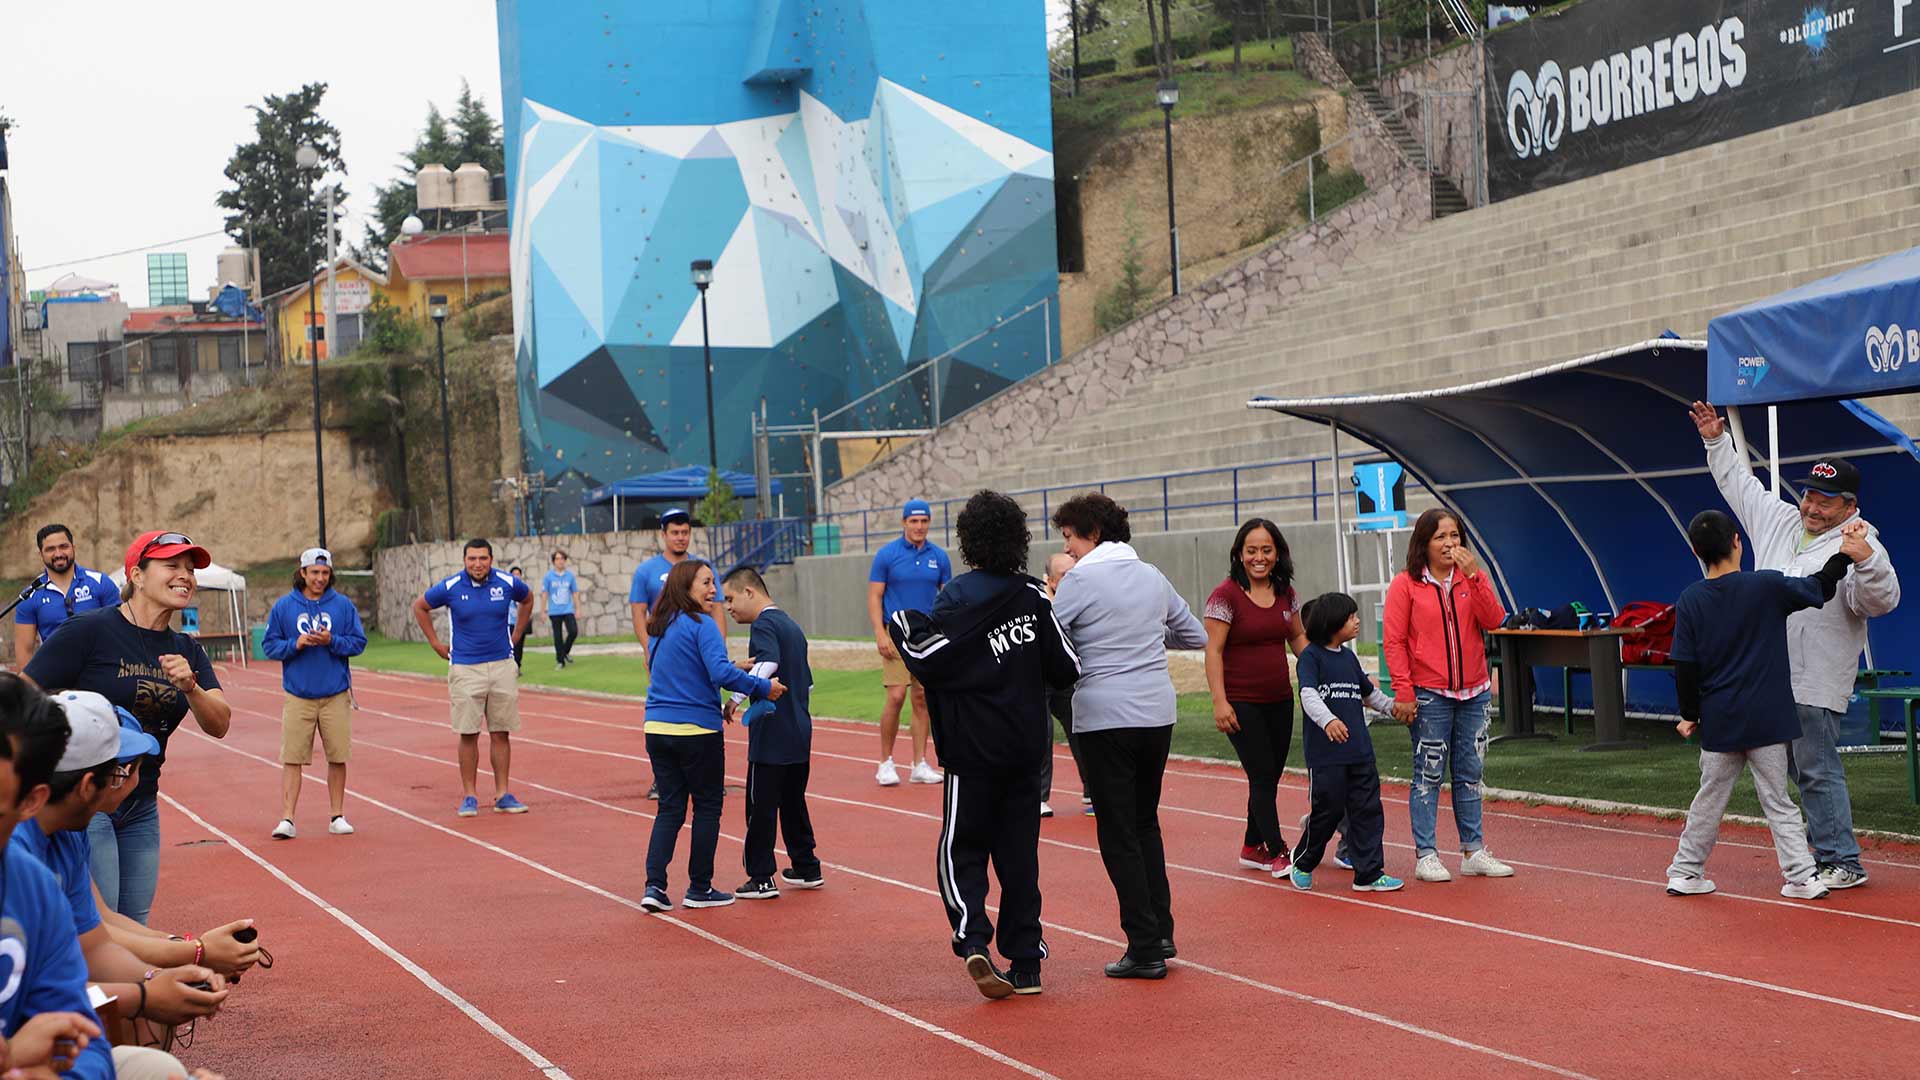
point(1430, 868)
point(1688, 886)
point(923, 773)
point(339, 827)
point(284, 830)
point(1045, 810)
point(1810, 889)
point(888, 775)
point(1482, 864)
point(1839, 877)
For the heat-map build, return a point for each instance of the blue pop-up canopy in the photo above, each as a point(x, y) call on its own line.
point(1576, 481)
point(676, 485)
point(1855, 334)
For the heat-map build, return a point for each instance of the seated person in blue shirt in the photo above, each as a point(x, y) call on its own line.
point(64, 590)
point(94, 774)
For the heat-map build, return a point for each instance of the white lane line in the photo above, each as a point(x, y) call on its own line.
point(473, 1012)
point(1218, 777)
point(880, 1007)
point(1280, 991)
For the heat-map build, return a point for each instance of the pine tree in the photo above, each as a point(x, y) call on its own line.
point(472, 135)
point(272, 198)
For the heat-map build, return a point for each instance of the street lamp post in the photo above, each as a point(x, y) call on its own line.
point(307, 158)
point(703, 277)
point(437, 307)
point(1168, 95)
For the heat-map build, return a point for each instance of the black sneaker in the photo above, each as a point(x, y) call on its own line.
point(653, 792)
point(757, 889)
point(1167, 949)
point(991, 981)
point(1024, 982)
point(794, 878)
point(1129, 968)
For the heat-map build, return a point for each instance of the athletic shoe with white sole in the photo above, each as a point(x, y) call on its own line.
point(1689, 886)
point(1839, 877)
point(1383, 883)
point(1339, 861)
point(1430, 868)
point(1024, 982)
point(1482, 864)
point(1045, 810)
point(888, 775)
point(794, 878)
point(992, 982)
point(1810, 889)
point(1302, 879)
point(339, 827)
point(284, 830)
point(469, 806)
point(653, 792)
point(758, 889)
point(507, 804)
point(1255, 857)
point(707, 897)
point(924, 773)
point(656, 900)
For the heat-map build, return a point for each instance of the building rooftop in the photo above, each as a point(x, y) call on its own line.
point(427, 258)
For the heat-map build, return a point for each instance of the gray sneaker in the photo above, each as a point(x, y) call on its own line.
point(1839, 877)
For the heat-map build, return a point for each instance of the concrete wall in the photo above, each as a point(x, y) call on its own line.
point(603, 562)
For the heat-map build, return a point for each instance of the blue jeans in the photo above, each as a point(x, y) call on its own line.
point(126, 856)
point(1814, 764)
point(686, 768)
point(1448, 733)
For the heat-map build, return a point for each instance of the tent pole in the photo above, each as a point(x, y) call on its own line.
point(1773, 446)
point(1339, 528)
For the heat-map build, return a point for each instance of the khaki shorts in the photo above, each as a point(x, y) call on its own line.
point(894, 673)
point(299, 717)
point(489, 692)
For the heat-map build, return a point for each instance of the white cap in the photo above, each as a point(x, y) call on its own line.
point(316, 557)
point(99, 734)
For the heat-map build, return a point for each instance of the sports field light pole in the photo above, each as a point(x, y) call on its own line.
point(437, 307)
point(307, 158)
point(702, 277)
point(1168, 95)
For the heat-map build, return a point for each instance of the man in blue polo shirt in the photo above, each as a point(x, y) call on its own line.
point(676, 541)
point(66, 589)
point(482, 679)
point(907, 575)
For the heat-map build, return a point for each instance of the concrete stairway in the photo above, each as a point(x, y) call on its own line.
point(1555, 275)
point(1448, 199)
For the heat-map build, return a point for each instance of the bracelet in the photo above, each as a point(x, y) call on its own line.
point(199, 951)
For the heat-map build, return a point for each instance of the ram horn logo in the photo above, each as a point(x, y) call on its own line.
point(1536, 110)
point(1886, 349)
point(1825, 471)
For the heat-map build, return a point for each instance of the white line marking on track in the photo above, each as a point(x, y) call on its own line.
point(486, 1023)
point(878, 1006)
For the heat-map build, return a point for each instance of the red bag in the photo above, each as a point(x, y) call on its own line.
point(1654, 644)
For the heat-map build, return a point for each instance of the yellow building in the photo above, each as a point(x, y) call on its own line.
point(464, 267)
point(355, 286)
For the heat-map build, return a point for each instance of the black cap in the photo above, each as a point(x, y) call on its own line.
point(668, 517)
point(1832, 476)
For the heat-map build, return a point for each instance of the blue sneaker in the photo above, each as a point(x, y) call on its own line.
point(656, 899)
point(469, 806)
point(1383, 883)
point(507, 804)
point(708, 897)
point(1302, 879)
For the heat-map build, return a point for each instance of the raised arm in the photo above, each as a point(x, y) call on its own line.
point(1873, 589)
point(1766, 519)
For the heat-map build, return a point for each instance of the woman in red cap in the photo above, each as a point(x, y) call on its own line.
point(133, 657)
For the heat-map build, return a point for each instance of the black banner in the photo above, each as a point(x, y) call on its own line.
point(1608, 83)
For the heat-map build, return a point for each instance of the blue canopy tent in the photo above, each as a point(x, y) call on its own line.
point(1576, 481)
point(684, 485)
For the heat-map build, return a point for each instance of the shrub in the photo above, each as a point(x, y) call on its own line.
point(1121, 304)
point(1331, 190)
point(720, 506)
point(1099, 67)
point(389, 331)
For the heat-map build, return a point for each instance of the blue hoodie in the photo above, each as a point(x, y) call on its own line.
point(688, 669)
point(313, 672)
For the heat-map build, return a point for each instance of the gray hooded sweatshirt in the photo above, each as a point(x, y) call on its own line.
point(1122, 616)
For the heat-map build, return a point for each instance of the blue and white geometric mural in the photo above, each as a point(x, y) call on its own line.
point(872, 179)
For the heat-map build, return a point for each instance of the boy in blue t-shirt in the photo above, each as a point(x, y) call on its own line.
point(557, 589)
point(1334, 693)
point(779, 743)
point(1735, 685)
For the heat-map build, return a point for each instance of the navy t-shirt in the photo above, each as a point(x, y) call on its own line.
point(48, 607)
point(1735, 628)
point(70, 856)
point(1342, 683)
point(784, 736)
point(481, 616)
point(103, 652)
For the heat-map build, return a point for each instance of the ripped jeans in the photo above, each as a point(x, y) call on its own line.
point(1448, 732)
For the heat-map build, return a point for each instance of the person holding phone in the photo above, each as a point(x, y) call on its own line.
point(1438, 609)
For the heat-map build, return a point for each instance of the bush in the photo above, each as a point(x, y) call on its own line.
point(1099, 67)
point(1190, 45)
point(389, 331)
point(720, 506)
point(1120, 305)
point(1331, 190)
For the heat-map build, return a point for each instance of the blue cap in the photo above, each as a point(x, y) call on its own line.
point(916, 508)
point(668, 517)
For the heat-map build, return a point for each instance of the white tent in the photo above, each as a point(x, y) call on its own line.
point(218, 578)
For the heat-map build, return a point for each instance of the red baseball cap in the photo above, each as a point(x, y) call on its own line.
point(160, 544)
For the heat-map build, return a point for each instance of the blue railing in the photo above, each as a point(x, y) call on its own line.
point(880, 524)
point(759, 544)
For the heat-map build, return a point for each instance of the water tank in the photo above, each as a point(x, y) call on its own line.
point(434, 185)
point(235, 267)
point(472, 184)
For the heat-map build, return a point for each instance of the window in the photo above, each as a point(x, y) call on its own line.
point(230, 353)
point(163, 355)
point(166, 279)
point(83, 359)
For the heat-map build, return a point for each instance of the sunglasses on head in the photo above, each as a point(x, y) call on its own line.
point(167, 540)
point(121, 774)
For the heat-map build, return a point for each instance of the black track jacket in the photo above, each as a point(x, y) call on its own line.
point(987, 654)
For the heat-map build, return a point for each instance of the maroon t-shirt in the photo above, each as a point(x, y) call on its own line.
point(1255, 656)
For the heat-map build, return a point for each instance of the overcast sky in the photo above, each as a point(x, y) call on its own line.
point(127, 111)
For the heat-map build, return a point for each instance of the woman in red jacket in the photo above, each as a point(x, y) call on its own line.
point(1437, 610)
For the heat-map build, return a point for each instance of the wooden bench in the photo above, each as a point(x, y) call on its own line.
point(1909, 696)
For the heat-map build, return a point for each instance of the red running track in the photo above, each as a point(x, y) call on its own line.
point(428, 945)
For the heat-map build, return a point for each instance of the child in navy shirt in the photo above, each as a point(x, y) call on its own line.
point(1731, 669)
point(1334, 693)
point(779, 743)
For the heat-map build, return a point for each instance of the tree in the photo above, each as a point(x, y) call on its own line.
point(720, 506)
point(274, 198)
point(477, 133)
point(472, 135)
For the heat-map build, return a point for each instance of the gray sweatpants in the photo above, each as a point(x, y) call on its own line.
point(1718, 772)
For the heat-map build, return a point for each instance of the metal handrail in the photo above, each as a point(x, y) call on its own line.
point(949, 354)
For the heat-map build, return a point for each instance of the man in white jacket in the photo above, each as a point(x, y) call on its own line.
point(1823, 644)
